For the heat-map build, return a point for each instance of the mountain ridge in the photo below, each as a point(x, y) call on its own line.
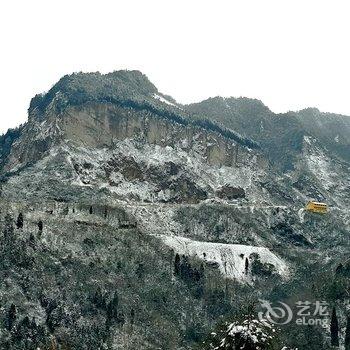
point(133, 224)
point(231, 116)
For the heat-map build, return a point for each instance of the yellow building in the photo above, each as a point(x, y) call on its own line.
point(317, 207)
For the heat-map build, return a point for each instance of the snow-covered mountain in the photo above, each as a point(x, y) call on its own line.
point(199, 200)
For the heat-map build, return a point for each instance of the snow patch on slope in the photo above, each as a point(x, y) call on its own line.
point(231, 258)
point(164, 100)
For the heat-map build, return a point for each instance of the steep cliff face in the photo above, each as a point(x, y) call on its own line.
point(280, 135)
point(161, 217)
point(140, 147)
point(322, 176)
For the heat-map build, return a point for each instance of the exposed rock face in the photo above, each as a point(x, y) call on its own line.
point(103, 125)
point(113, 144)
point(281, 136)
point(119, 205)
point(228, 192)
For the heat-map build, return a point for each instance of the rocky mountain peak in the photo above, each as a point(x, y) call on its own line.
point(234, 105)
point(310, 111)
point(78, 88)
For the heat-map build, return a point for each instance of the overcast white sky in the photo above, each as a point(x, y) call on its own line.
point(289, 53)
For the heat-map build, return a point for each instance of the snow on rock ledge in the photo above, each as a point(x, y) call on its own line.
point(231, 258)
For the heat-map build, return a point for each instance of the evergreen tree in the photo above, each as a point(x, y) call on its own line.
point(185, 269)
point(19, 222)
point(246, 267)
point(112, 307)
point(11, 318)
point(140, 270)
point(99, 299)
point(334, 328)
point(202, 272)
point(177, 265)
point(132, 316)
point(244, 334)
point(115, 304)
point(347, 334)
point(32, 240)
